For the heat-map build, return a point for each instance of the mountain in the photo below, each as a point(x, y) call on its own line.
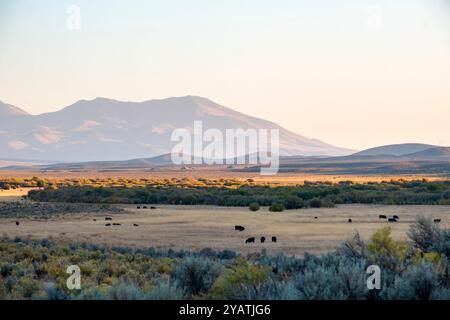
point(394, 149)
point(105, 129)
point(434, 153)
point(385, 160)
point(7, 110)
point(434, 160)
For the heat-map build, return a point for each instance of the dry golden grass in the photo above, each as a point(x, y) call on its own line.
point(280, 178)
point(13, 194)
point(197, 227)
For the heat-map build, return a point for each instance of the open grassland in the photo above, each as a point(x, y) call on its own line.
point(197, 227)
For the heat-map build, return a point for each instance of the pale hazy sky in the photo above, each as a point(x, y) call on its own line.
point(351, 73)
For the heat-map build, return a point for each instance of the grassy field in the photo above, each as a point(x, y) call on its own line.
point(197, 227)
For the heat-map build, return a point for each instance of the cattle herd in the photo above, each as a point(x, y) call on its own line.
point(114, 223)
point(253, 239)
point(119, 224)
point(239, 228)
point(394, 218)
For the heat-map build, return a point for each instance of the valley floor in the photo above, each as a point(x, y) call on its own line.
point(197, 227)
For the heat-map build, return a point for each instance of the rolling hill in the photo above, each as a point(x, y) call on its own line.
point(395, 150)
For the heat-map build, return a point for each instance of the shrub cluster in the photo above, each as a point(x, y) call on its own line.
point(315, 195)
point(413, 269)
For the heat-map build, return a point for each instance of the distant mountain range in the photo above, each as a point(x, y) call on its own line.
point(104, 129)
point(391, 159)
point(405, 152)
point(396, 149)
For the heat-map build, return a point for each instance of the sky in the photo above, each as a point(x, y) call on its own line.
point(353, 73)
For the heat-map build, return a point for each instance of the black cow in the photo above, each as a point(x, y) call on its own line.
point(138, 207)
point(350, 221)
point(94, 219)
point(152, 207)
point(145, 207)
point(396, 217)
point(108, 225)
point(250, 240)
point(263, 239)
point(17, 223)
point(316, 217)
point(392, 220)
point(135, 224)
point(108, 218)
point(437, 220)
point(116, 224)
point(274, 239)
point(239, 228)
point(382, 216)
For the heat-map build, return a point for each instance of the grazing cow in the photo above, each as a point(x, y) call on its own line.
point(152, 207)
point(274, 239)
point(437, 220)
point(350, 221)
point(145, 207)
point(108, 225)
point(108, 218)
point(396, 217)
point(135, 224)
point(116, 224)
point(382, 216)
point(316, 217)
point(17, 223)
point(239, 228)
point(392, 220)
point(138, 207)
point(250, 240)
point(263, 239)
point(94, 219)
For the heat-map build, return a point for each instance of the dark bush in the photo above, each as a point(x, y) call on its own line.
point(254, 206)
point(276, 207)
point(196, 275)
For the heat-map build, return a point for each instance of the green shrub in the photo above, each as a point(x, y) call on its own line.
point(239, 282)
point(315, 203)
point(276, 207)
point(124, 291)
point(254, 206)
point(293, 202)
point(196, 275)
point(166, 290)
point(424, 233)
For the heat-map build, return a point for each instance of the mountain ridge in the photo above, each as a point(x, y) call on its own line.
point(105, 129)
point(400, 149)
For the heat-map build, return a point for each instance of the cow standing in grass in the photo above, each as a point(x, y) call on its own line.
point(250, 240)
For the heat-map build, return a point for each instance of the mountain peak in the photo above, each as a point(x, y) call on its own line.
point(108, 129)
point(10, 110)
